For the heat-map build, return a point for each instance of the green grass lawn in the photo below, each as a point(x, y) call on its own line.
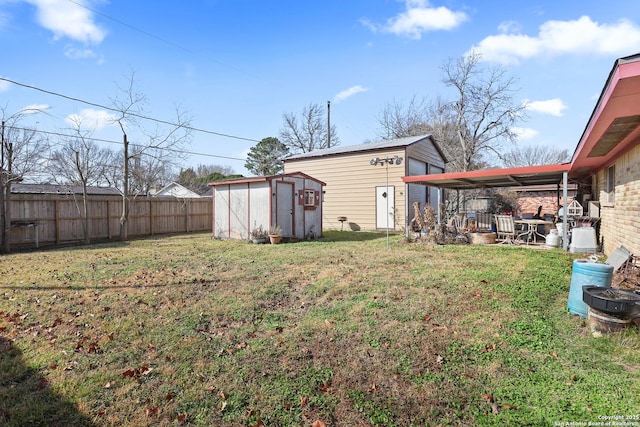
point(185, 330)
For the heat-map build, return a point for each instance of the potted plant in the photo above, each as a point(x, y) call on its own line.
point(259, 235)
point(275, 234)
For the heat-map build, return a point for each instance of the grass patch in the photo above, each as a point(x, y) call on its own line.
point(185, 330)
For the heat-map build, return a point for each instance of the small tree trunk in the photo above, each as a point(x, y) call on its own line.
point(124, 218)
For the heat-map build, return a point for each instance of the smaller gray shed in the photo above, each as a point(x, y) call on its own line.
point(292, 201)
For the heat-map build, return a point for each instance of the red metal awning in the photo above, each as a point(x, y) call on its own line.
point(488, 178)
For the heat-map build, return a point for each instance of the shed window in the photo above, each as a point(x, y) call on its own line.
point(611, 184)
point(309, 198)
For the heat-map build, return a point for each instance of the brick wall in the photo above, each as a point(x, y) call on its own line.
point(620, 219)
point(528, 202)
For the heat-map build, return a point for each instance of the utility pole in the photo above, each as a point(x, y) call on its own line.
point(328, 124)
point(5, 196)
point(3, 232)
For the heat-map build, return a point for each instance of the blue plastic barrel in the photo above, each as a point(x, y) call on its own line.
point(587, 273)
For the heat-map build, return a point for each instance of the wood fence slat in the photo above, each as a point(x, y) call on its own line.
point(60, 221)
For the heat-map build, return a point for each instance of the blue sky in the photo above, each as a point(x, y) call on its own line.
point(238, 65)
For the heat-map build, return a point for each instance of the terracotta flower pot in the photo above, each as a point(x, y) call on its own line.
point(274, 239)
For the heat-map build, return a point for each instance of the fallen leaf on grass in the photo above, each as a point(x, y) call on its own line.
point(325, 387)
point(182, 418)
point(129, 373)
point(303, 400)
point(489, 399)
point(489, 348)
point(152, 411)
point(318, 423)
point(258, 423)
point(224, 405)
point(42, 384)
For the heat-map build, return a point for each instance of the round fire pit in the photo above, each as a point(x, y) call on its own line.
point(482, 238)
point(611, 301)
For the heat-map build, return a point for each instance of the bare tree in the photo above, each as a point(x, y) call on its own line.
point(484, 112)
point(163, 143)
point(150, 167)
point(398, 120)
point(533, 155)
point(418, 117)
point(203, 171)
point(81, 162)
point(309, 132)
point(22, 152)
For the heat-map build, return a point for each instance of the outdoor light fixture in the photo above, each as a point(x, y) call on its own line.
point(386, 162)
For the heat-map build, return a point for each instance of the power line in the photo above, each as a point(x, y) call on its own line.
point(139, 116)
point(108, 141)
point(149, 34)
point(130, 26)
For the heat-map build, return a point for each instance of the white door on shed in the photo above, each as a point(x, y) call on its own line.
point(385, 207)
point(284, 208)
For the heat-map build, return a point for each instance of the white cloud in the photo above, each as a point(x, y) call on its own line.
point(554, 106)
point(581, 36)
point(509, 27)
point(524, 134)
point(67, 19)
point(349, 92)
point(419, 18)
point(73, 53)
point(34, 109)
point(93, 119)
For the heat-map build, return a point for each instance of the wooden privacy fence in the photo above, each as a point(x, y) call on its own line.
point(56, 219)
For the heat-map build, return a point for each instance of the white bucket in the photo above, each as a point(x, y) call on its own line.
point(552, 239)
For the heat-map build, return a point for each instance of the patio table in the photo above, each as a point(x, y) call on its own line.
point(532, 228)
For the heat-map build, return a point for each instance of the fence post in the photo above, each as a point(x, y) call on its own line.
point(151, 219)
point(56, 221)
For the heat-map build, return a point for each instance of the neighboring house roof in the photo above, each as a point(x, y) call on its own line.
point(263, 179)
point(21, 188)
point(175, 189)
point(371, 146)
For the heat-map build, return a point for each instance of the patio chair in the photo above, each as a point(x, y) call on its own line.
point(506, 229)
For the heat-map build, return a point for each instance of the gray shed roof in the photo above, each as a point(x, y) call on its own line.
point(370, 146)
point(20, 188)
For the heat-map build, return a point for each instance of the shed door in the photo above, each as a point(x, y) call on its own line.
point(284, 207)
point(385, 207)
